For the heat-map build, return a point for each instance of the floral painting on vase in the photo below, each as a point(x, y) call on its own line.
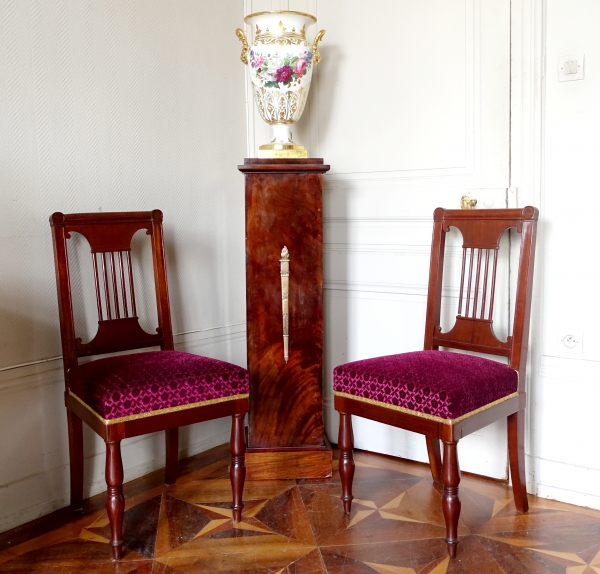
point(277, 71)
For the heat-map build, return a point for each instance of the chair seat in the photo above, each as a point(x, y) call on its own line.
point(140, 384)
point(438, 385)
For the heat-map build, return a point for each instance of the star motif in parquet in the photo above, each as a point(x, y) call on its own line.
point(298, 527)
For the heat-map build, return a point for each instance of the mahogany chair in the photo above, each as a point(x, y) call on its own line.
point(447, 395)
point(137, 393)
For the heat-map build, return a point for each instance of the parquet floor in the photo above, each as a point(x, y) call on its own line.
point(298, 527)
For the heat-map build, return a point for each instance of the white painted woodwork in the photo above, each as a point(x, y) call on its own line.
point(564, 451)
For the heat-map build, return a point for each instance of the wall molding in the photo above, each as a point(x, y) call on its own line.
point(386, 288)
point(370, 287)
point(389, 249)
point(212, 334)
point(48, 372)
point(22, 379)
point(568, 368)
point(385, 248)
point(382, 220)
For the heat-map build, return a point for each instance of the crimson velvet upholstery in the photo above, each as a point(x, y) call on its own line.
point(438, 384)
point(132, 386)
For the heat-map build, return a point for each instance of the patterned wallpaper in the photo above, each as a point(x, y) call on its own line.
point(110, 105)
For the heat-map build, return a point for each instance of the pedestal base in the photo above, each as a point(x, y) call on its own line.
point(288, 463)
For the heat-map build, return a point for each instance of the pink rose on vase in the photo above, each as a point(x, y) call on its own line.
point(283, 74)
point(258, 62)
point(300, 66)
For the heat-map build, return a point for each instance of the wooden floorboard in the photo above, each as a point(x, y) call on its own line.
point(298, 527)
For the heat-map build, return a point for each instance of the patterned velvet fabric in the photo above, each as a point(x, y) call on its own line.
point(437, 383)
point(126, 385)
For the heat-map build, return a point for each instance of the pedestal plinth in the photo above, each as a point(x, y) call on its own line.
point(284, 308)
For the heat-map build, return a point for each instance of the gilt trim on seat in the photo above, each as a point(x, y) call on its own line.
point(158, 412)
point(425, 415)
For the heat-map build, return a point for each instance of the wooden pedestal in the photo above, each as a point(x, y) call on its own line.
point(286, 437)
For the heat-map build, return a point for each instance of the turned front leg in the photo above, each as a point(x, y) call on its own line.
point(237, 470)
point(450, 500)
point(115, 502)
point(346, 464)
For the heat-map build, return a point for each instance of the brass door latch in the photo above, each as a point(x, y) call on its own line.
point(467, 203)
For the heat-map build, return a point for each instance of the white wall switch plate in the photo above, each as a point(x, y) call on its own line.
point(570, 68)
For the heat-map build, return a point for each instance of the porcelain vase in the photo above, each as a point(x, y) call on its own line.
point(281, 62)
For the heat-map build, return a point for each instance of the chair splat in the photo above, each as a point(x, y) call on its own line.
point(471, 301)
point(113, 279)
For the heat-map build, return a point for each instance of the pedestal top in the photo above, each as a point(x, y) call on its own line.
point(273, 165)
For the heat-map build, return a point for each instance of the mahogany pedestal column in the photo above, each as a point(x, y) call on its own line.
point(286, 437)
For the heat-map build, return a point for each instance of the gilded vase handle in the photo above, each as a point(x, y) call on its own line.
point(245, 48)
point(316, 53)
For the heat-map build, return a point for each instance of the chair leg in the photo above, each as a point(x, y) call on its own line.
point(346, 467)
point(172, 451)
point(516, 452)
point(76, 459)
point(450, 500)
point(435, 457)
point(237, 470)
point(115, 502)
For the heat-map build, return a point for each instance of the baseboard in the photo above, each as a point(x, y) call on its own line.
point(563, 482)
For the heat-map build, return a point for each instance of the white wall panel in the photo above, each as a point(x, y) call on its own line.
point(393, 85)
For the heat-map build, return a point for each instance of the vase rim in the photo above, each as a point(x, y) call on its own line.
point(271, 12)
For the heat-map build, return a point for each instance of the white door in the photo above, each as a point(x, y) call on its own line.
point(411, 107)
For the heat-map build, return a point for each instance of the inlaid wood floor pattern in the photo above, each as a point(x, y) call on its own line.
point(298, 527)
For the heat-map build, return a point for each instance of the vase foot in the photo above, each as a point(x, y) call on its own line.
point(282, 150)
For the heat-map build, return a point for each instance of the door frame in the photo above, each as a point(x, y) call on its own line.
point(528, 98)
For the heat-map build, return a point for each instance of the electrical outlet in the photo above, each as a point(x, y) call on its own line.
point(571, 342)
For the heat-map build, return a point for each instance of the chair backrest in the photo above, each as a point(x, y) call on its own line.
point(481, 232)
point(109, 236)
